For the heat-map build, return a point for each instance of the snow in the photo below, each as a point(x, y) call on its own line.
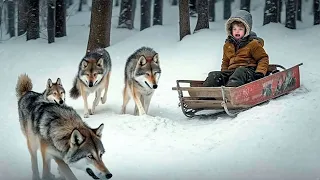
point(276, 140)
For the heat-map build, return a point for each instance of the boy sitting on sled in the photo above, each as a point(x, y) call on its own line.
point(244, 59)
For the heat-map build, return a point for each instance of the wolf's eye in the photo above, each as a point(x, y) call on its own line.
point(55, 93)
point(95, 74)
point(147, 74)
point(90, 156)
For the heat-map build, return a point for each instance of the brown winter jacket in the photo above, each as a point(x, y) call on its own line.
point(251, 54)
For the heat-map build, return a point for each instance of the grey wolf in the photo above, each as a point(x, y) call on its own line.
point(141, 76)
point(93, 77)
point(60, 134)
point(54, 92)
point(244, 58)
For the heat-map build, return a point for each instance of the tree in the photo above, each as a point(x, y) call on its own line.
point(127, 11)
point(80, 5)
point(116, 3)
point(145, 14)
point(227, 9)
point(22, 17)
point(203, 15)
point(270, 12)
point(279, 10)
point(184, 20)
point(51, 21)
point(290, 14)
point(61, 12)
point(11, 18)
point(212, 13)
point(299, 10)
point(100, 24)
point(157, 12)
point(316, 12)
point(245, 5)
point(174, 2)
point(33, 27)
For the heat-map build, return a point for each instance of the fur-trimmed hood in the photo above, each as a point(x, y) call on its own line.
point(241, 16)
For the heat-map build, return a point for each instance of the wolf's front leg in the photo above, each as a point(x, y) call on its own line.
point(96, 101)
point(104, 98)
point(146, 103)
point(85, 100)
point(65, 170)
point(136, 98)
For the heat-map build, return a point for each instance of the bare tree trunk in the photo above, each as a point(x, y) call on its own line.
point(117, 3)
point(291, 14)
point(33, 27)
point(11, 18)
point(270, 12)
point(174, 2)
point(157, 12)
point(80, 5)
point(212, 13)
point(145, 14)
point(100, 24)
point(316, 12)
point(127, 11)
point(245, 5)
point(22, 17)
point(70, 2)
point(279, 10)
point(203, 15)
point(184, 20)
point(61, 12)
point(227, 9)
point(51, 21)
point(299, 10)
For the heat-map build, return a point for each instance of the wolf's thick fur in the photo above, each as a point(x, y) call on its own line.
point(60, 134)
point(141, 76)
point(93, 77)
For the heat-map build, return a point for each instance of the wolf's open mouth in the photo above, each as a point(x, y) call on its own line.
point(90, 172)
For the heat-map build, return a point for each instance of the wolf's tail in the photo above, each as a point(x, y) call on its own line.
point(74, 91)
point(24, 85)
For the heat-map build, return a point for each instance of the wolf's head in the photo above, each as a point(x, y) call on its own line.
point(92, 70)
point(86, 151)
point(148, 71)
point(55, 92)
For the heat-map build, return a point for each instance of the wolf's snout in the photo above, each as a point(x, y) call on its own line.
point(90, 84)
point(108, 176)
point(61, 102)
point(155, 86)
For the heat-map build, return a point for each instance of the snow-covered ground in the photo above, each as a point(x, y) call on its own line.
point(276, 140)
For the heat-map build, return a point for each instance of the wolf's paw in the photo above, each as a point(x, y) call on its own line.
point(103, 100)
point(49, 177)
point(86, 115)
point(36, 177)
point(92, 111)
point(142, 113)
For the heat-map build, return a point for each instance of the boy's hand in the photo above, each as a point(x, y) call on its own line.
point(258, 75)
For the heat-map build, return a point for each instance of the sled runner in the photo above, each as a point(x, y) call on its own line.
point(194, 97)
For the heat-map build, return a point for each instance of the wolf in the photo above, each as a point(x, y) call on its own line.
point(93, 76)
point(54, 92)
point(60, 134)
point(141, 76)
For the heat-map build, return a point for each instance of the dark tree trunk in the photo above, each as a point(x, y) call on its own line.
point(127, 12)
point(245, 5)
point(316, 12)
point(291, 14)
point(80, 5)
point(116, 3)
point(11, 18)
point(22, 17)
point(299, 18)
point(33, 27)
point(157, 12)
point(61, 28)
point(226, 9)
point(184, 20)
point(145, 14)
point(51, 21)
point(279, 10)
point(174, 2)
point(100, 24)
point(212, 13)
point(203, 15)
point(70, 2)
point(270, 12)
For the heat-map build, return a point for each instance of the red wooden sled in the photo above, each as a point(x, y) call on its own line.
point(232, 100)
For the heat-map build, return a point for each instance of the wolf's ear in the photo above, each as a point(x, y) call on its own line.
point(142, 60)
point(156, 58)
point(49, 83)
point(98, 131)
point(76, 138)
point(100, 62)
point(84, 64)
point(59, 82)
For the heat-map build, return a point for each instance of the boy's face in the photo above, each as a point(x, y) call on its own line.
point(238, 31)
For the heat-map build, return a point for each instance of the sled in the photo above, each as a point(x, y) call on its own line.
point(194, 98)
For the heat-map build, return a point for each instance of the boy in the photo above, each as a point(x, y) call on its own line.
point(244, 59)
